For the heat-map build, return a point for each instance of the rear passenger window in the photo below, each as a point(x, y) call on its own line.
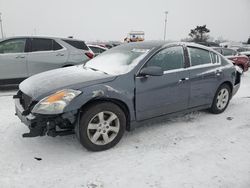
point(215, 57)
point(77, 44)
point(39, 44)
point(56, 46)
point(168, 59)
point(199, 56)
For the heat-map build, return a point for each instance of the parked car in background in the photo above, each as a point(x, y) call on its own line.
point(238, 59)
point(123, 87)
point(210, 44)
point(97, 49)
point(247, 53)
point(244, 51)
point(116, 43)
point(81, 46)
point(107, 45)
point(21, 57)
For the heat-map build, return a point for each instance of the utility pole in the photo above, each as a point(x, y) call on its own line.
point(1, 25)
point(165, 27)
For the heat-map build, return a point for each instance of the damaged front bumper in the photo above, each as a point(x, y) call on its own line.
point(51, 125)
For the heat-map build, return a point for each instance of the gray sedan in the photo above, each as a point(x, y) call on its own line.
point(123, 87)
point(21, 57)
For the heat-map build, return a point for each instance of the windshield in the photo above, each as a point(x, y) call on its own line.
point(117, 61)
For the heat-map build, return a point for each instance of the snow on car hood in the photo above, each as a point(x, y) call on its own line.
point(74, 77)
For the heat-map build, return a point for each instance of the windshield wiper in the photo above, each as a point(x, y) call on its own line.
point(95, 70)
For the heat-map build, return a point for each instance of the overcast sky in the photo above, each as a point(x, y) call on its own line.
point(113, 19)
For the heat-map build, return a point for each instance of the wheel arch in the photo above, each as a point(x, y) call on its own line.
point(118, 102)
point(230, 86)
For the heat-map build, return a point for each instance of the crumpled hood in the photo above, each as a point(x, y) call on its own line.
point(75, 77)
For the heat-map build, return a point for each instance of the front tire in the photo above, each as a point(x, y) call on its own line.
point(101, 126)
point(221, 99)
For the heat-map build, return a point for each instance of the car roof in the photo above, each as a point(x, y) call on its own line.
point(141, 45)
point(18, 37)
point(157, 44)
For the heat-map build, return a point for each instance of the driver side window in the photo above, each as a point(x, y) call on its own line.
point(168, 59)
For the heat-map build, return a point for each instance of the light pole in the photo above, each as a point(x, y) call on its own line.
point(1, 25)
point(165, 27)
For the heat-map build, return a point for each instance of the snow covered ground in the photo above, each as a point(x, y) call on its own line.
point(196, 150)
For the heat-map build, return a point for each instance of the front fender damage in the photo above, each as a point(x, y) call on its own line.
point(65, 124)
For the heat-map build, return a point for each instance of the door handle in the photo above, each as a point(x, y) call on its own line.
point(218, 72)
point(60, 54)
point(183, 80)
point(20, 56)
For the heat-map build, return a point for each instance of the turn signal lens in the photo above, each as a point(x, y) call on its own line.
point(55, 103)
point(55, 97)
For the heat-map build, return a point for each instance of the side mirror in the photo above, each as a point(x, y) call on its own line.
point(151, 71)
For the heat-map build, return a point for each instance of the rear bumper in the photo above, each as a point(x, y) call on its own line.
point(237, 81)
point(235, 89)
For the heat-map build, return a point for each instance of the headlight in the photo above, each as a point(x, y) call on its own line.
point(55, 104)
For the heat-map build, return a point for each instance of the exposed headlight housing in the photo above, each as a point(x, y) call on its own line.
point(55, 103)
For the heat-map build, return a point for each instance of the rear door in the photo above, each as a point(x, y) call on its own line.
point(159, 95)
point(205, 72)
point(45, 54)
point(13, 59)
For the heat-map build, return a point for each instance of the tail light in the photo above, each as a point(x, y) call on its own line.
point(89, 54)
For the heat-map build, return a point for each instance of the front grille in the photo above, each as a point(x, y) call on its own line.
point(25, 100)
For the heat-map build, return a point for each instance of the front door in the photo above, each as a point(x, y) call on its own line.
point(13, 59)
point(160, 95)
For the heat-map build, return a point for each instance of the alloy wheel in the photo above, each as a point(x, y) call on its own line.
point(103, 128)
point(222, 99)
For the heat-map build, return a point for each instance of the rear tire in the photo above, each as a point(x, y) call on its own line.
point(221, 99)
point(101, 126)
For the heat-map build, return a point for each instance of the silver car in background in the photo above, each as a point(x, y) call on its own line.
point(22, 57)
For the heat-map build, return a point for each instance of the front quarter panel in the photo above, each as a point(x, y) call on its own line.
point(117, 90)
